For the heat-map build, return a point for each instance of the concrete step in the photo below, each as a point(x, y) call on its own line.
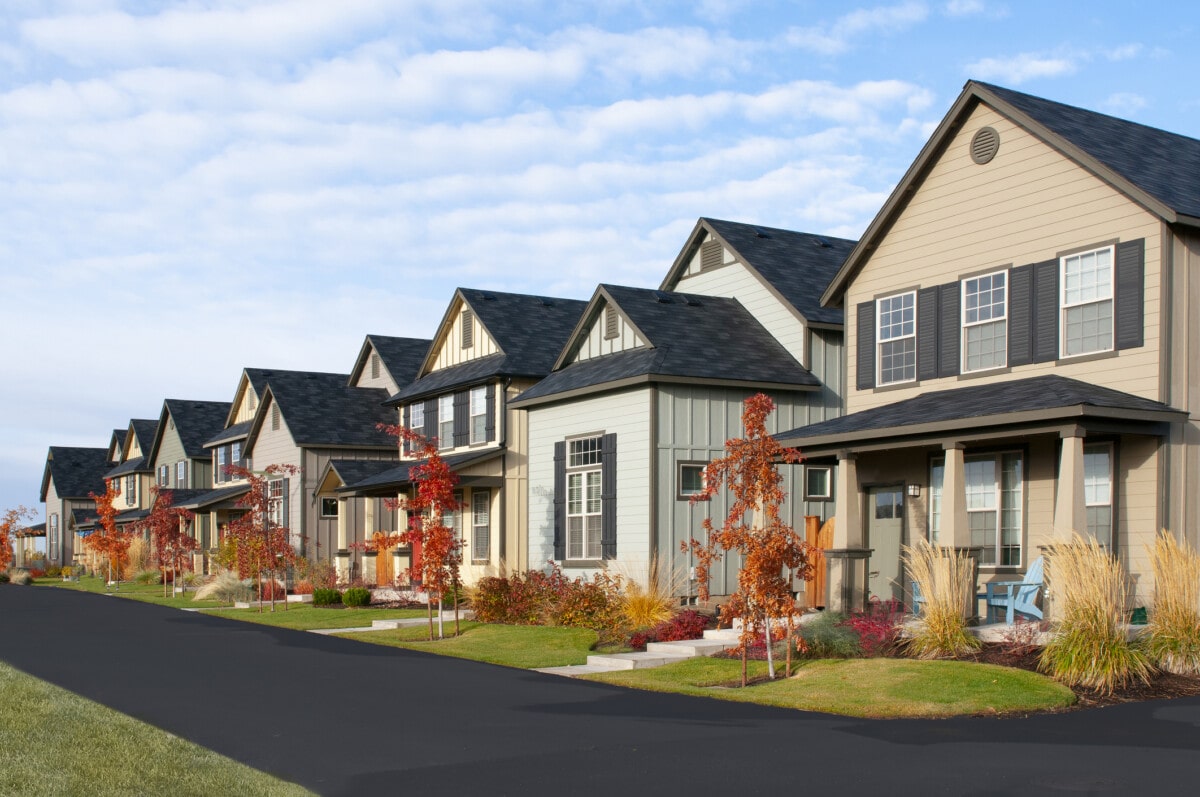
point(574, 670)
point(723, 635)
point(691, 647)
point(634, 661)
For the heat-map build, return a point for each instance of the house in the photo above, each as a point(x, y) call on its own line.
point(489, 347)
point(1021, 347)
point(70, 477)
point(133, 472)
point(650, 386)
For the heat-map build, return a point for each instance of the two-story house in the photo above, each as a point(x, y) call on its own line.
point(1021, 346)
point(69, 478)
point(134, 473)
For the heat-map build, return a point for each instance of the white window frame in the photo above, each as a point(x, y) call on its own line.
point(477, 408)
point(1101, 298)
point(827, 493)
point(682, 491)
point(908, 302)
point(416, 416)
point(481, 525)
point(585, 483)
point(275, 503)
point(446, 421)
point(131, 489)
point(164, 475)
point(181, 474)
point(53, 530)
point(1091, 500)
point(235, 453)
point(935, 503)
point(1000, 321)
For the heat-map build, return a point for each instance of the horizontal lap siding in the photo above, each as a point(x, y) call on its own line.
point(1026, 206)
point(170, 451)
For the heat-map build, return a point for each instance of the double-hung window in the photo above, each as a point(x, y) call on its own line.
point(446, 421)
point(985, 322)
point(478, 415)
point(416, 416)
point(235, 454)
point(131, 490)
point(164, 476)
point(897, 327)
point(221, 457)
point(584, 508)
point(994, 486)
point(181, 474)
point(275, 503)
point(53, 537)
point(1097, 492)
point(481, 526)
point(1087, 302)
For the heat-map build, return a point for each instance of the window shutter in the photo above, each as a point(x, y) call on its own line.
point(462, 418)
point(1130, 294)
point(431, 418)
point(1045, 311)
point(560, 500)
point(1020, 315)
point(865, 357)
point(490, 422)
point(608, 496)
point(405, 420)
point(284, 516)
point(927, 333)
point(950, 323)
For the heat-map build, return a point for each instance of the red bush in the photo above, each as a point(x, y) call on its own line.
point(37, 572)
point(302, 588)
point(536, 597)
point(272, 590)
point(878, 627)
point(685, 625)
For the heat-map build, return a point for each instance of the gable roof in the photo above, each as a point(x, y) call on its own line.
point(402, 357)
point(142, 430)
point(236, 432)
point(195, 422)
point(690, 338)
point(116, 443)
point(320, 409)
point(795, 266)
point(256, 378)
point(76, 471)
point(400, 474)
point(1157, 169)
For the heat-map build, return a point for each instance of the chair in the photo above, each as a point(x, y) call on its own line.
point(1018, 596)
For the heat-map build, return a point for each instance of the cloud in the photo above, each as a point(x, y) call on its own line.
point(1124, 104)
point(1020, 68)
point(838, 38)
point(1125, 52)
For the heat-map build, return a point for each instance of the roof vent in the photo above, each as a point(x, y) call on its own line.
point(487, 297)
point(760, 233)
point(821, 242)
point(662, 298)
point(545, 302)
point(984, 145)
point(691, 301)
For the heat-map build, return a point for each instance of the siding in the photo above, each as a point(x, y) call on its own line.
point(597, 345)
point(451, 351)
point(384, 380)
point(170, 451)
point(1026, 206)
point(247, 403)
point(275, 447)
point(1181, 380)
point(321, 533)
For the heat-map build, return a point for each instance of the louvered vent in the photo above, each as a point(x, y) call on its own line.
point(275, 418)
point(468, 329)
point(374, 366)
point(984, 145)
point(711, 255)
point(610, 323)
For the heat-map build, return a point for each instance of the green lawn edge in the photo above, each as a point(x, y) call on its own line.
point(522, 646)
point(55, 742)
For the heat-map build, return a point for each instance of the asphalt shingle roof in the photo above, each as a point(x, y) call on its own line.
point(322, 410)
point(531, 330)
point(798, 264)
point(402, 357)
point(136, 465)
point(76, 471)
point(443, 379)
point(696, 337)
point(211, 497)
point(1164, 165)
point(352, 471)
point(144, 428)
point(235, 432)
point(196, 422)
point(400, 475)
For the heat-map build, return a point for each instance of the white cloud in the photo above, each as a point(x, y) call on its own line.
point(962, 8)
point(1124, 52)
point(1020, 68)
point(837, 38)
point(1124, 104)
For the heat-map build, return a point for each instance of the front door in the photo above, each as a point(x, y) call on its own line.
point(885, 532)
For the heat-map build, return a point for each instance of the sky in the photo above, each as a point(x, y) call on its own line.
point(188, 188)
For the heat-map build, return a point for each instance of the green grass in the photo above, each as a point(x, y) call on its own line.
point(862, 687)
point(55, 742)
point(148, 593)
point(525, 646)
point(306, 617)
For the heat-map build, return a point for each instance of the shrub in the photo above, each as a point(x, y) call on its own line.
point(828, 637)
point(321, 573)
point(4, 577)
point(36, 572)
point(302, 588)
point(193, 579)
point(685, 625)
point(356, 596)
point(946, 579)
point(1091, 593)
point(139, 555)
point(54, 571)
point(226, 588)
point(550, 598)
point(1173, 642)
point(878, 628)
point(270, 589)
point(326, 597)
point(645, 606)
point(67, 572)
point(22, 577)
point(147, 577)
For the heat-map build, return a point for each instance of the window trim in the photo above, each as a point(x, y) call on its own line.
point(476, 495)
point(964, 325)
point(275, 502)
point(445, 401)
point(131, 490)
point(879, 341)
point(336, 504)
point(181, 474)
point(680, 493)
point(936, 497)
point(585, 472)
point(1063, 305)
point(810, 496)
point(480, 392)
point(1111, 450)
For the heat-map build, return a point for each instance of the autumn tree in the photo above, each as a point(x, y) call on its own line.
point(108, 540)
point(13, 522)
point(262, 545)
point(167, 530)
point(771, 551)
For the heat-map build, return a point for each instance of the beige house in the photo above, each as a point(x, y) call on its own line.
point(1020, 354)
point(69, 478)
point(133, 474)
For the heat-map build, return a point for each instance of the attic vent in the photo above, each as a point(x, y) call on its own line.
point(984, 145)
point(691, 301)
point(252, 400)
point(487, 297)
point(610, 323)
point(662, 298)
point(711, 255)
point(760, 233)
point(275, 418)
point(468, 329)
point(374, 366)
point(821, 242)
point(544, 302)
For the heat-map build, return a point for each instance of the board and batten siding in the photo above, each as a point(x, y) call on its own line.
point(170, 451)
point(1181, 385)
point(598, 344)
point(625, 414)
point(322, 532)
point(247, 404)
point(1026, 206)
point(276, 447)
point(452, 351)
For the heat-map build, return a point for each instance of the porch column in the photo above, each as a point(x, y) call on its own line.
point(955, 532)
point(1070, 513)
point(846, 561)
point(343, 541)
point(369, 563)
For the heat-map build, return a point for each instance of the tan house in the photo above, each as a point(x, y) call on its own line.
point(1020, 349)
point(70, 476)
point(133, 473)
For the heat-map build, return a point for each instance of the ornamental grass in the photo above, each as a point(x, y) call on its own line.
point(1091, 593)
point(645, 606)
point(1173, 642)
point(226, 588)
point(946, 580)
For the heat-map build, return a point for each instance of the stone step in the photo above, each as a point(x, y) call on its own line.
point(723, 635)
point(574, 670)
point(691, 647)
point(634, 661)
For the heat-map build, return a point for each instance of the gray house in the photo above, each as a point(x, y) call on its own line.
point(70, 476)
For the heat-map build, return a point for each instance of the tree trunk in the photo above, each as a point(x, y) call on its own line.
point(769, 640)
point(441, 622)
point(743, 665)
point(457, 630)
point(429, 609)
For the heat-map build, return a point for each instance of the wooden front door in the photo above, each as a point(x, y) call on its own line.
point(384, 577)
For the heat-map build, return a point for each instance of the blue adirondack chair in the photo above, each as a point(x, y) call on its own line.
point(1018, 596)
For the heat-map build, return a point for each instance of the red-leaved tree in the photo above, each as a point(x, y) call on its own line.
point(12, 523)
point(166, 524)
point(262, 546)
point(107, 540)
point(771, 551)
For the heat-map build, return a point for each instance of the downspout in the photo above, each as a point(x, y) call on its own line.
point(503, 439)
point(654, 497)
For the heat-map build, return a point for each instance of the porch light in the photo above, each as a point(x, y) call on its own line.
point(914, 491)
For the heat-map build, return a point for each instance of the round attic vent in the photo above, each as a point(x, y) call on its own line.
point(984, 145)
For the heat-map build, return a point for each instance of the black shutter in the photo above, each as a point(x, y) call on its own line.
point(431, 418)
point(1045, 311)
point(1020, 315)
point(865, 356)
point(927, 333)
point(950, 322)
point(490, 423)
point(285, 517)
point(405, 420)
point(462, 418)
point(608, 496)
point(560, 501)
point(1130, 294)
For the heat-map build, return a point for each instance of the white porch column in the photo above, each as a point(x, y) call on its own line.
point(955, 532)
point(846, 561)
point(1070, 512)
point(343, 540)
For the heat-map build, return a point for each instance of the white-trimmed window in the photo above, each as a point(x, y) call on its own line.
point(1087, 302)
point(994, 485)
point(275, 503)
point(416, 417)
point(584, 507)
point(691, 479)
point(235, 453)
point(181, 474)
point(220, 461)
point(164, 475)
point(53, 530)
point(329, 507)
point(446, 421)
point(479, 415)
point(1098, 492)
point(985, 321)
point(937, 475)
point(481, 525)
point(454, 519)
point(131, 490)
point(818, 483)
point(897, 328)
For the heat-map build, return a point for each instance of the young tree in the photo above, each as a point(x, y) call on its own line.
point(262, 545)
point(166, 527)
point(11, 524)
point(107, 540)
point(771, 551)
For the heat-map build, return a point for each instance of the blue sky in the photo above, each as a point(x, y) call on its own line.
point(189, 188)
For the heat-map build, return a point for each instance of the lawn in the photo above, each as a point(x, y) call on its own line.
point(55, 742)
point(525, 646)
point(306, 617)
point(861, 687)
point(149, 593)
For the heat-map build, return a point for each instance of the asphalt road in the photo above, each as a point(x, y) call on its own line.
point(346, 718)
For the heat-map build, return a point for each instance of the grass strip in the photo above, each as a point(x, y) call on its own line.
point(147, 593)
point(862, 687)
point(523, 646)
point(306, 617)
point(55, 742)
